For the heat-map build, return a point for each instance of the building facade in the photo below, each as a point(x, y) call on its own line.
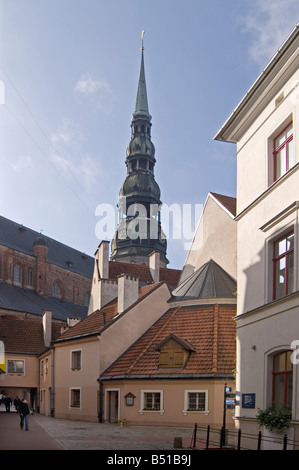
point(265, 128)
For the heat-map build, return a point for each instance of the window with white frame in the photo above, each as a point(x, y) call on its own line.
point(76, 358)
point(283, 152)
point(195, 401)
point(283, 265)
point(75, 397)
point(282, 380)
point(15, 366)
point(151, 400)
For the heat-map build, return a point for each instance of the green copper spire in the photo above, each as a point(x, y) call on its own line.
point(139, 201)
point(141, 106)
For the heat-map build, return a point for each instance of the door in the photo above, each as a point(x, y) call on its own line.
point(112, 406)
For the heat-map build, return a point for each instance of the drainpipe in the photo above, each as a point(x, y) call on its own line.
point(52, 393)
point(100, 414)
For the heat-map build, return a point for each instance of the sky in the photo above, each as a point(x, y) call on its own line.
point(69, 71)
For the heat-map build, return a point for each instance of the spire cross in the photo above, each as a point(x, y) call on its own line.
point(142, 36)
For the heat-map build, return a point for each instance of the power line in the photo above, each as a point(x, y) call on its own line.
point(49, 142)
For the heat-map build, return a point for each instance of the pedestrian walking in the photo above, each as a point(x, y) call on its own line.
point(16, 403)
point(8, 403)
point(24, 414)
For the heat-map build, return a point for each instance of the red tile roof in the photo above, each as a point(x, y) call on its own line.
point(22, 335)
point(210, 330)
point(94, 322)
point(116, 268)
point(228, 202)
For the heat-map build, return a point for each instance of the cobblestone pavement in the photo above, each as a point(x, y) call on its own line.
point(82, 435)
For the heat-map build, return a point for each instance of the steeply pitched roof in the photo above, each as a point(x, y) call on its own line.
point(210, 330)
point(170, 276)
point(208, 282)
point(228, 202)
point(24, 335)
point(97, 320)
point(28, 301)
point(20, 238)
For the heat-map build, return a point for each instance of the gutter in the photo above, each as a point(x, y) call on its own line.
point(166, 376)
point(256, 84)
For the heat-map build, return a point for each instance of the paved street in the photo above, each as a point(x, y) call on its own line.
point(60, 434)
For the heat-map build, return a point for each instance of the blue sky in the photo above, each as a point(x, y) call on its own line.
point(70, 71)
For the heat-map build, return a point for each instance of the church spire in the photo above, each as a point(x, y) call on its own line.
point(141, 106)
point(139, 230)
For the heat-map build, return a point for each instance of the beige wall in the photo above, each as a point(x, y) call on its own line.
point(45, 383)
point(253, 172)
point(173, 402)
point(129, 327)
point(84, 379)
point(215, 224)
point(264, 326)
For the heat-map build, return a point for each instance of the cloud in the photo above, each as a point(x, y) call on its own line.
point(22, 164)
point(70, 158)
point(269, 22)
point(98, 91)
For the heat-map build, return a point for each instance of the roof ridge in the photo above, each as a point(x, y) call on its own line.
point(152, 340)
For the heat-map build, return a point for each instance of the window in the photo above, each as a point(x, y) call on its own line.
point(195, 400)
point(282, 383)
point(29, 277)
point(75, 398)
point(56, 290)
point(283, 154)
point(174, 352)
point(151, 400)
point(17, 274)
point(15, 366)
point(76, 360)
point(86, 300)
point(283, 266)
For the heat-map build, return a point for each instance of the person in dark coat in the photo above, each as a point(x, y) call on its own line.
point(16, 403)
point(8, 403)
point(24, 414)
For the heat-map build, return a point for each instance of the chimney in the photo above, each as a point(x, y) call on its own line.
point(102, 257)
point(103, 289)
point(154, 265)
point(127, 291)
point(47, 327)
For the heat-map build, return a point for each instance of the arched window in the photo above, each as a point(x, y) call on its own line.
point(56, 291)
point(17, 274)
point(86, 300)
point(282, 384)
point(29, 277)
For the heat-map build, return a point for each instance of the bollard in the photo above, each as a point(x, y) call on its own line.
point(178, 443)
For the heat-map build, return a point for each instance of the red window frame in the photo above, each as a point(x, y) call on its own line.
point(276, 259)
point(277, 149)
point(285, 373)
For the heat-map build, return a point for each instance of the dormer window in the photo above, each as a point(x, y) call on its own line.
point(173, 353)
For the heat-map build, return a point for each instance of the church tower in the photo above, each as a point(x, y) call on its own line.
point(139, 230)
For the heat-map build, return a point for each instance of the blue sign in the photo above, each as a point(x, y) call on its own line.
point(248, 400)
